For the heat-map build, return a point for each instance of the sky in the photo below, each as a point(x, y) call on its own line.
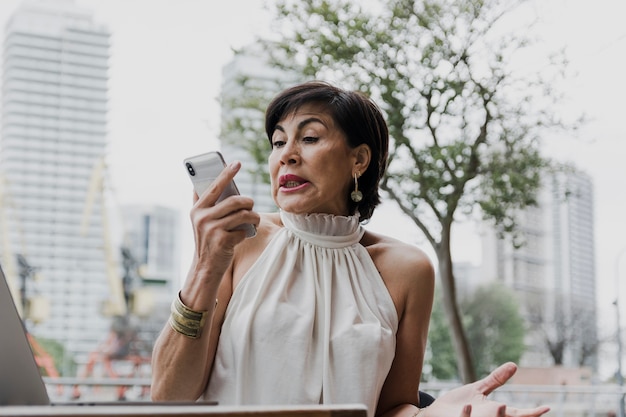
point(165, 75)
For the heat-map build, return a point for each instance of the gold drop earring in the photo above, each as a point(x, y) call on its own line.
point(356, 195)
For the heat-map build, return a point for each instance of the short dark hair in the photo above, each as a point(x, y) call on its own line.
point(360, 119)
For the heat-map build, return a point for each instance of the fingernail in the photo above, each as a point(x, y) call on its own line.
point(467, 410)
point(234, 166)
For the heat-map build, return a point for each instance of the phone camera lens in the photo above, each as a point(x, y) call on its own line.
point(192, 172)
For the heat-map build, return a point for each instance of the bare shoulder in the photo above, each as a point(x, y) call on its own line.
point(396, 256)
point(405, 268)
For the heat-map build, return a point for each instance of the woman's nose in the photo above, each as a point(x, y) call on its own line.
point(290, 154)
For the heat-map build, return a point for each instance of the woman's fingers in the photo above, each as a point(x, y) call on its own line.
point(526, 412)
point(213, 192)
point(497, 378)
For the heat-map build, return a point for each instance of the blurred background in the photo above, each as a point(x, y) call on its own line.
point(103, 99)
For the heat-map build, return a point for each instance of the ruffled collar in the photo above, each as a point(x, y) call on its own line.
point(326, 230)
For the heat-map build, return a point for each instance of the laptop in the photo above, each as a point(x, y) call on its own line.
point(20, 380)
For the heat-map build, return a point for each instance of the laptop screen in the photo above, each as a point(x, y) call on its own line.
point(20, 380)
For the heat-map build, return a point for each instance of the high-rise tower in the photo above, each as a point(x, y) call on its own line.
point(553, 272)
point(53, 143)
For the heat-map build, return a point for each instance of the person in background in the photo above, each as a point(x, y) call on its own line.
point(315, 309)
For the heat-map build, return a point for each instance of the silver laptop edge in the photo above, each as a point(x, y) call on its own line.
point(20, 379)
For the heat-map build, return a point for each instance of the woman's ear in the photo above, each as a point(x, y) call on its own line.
point(363, 156)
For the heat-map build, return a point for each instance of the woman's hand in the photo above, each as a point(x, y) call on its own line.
point(471, 400)
point(215, 239)
point(214, 223)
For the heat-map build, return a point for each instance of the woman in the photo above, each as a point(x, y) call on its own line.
point(314, 309)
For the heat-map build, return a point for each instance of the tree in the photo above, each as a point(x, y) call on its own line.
point(246, 98)
point(566, 326)
point(464, 125)
point(440, 360)
point(495, 330)
point(495, 327)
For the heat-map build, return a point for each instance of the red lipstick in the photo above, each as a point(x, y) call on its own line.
point(290, 182)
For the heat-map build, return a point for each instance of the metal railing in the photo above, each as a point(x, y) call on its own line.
point(564, 400)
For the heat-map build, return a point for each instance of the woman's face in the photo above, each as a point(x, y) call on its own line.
point(311, 165)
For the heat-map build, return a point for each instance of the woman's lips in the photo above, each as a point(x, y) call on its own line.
point(291, 183)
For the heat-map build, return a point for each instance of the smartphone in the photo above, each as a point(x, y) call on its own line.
point(203, 170)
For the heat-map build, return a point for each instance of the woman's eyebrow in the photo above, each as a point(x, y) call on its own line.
point(302, 123)
point(310, 120)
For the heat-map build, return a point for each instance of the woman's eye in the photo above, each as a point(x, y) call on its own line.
point(309, 139)
point(278, 143)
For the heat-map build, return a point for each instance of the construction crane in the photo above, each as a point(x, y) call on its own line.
point(115, 305)
point(126, 297)
point(36, 308)
point(9, 264)
point(125, 301)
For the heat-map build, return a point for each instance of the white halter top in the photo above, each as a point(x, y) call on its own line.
point(311, 322)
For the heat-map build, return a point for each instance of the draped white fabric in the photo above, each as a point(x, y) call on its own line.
point(311, 322)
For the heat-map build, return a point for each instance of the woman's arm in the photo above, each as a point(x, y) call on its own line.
point(411, 284)
point(181, 364)
point(410, 278)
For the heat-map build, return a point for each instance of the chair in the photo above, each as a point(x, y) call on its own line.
point(425, 399)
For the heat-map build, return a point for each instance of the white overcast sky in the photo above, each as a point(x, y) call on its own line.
point(167, 57)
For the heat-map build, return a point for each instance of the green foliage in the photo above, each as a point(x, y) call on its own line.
point(464, 128)
point(246, 99)
point(441, 360)
point(244, 126)
point(66, 366)
point(495, 328)
point(464, 122)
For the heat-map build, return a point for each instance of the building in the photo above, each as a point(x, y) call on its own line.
point(152, 239)
point(553, 272)
point(467, 277)
point(248, 84)
point(52, 148)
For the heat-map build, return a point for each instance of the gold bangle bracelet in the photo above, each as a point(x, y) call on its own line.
point(186, 321)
